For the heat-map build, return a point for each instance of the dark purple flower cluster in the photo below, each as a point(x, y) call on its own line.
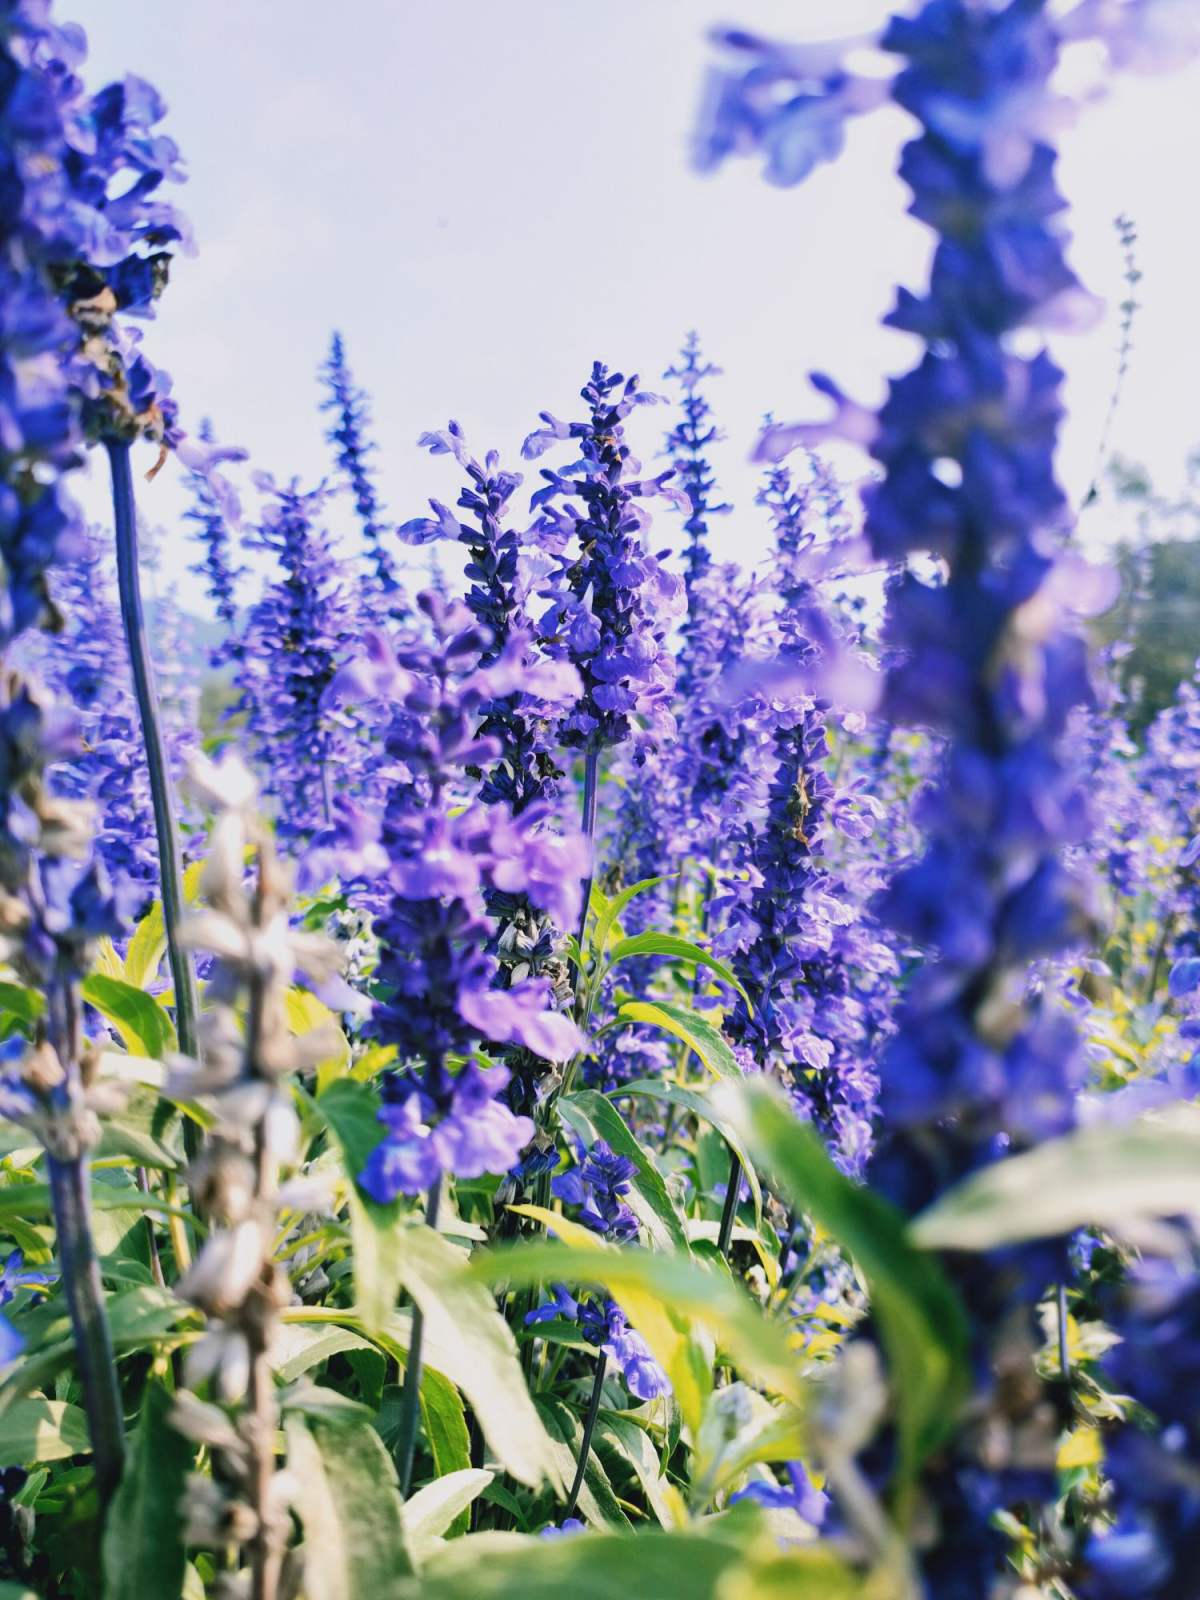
point(297, 636)
point(983, 654)
point(82, 238)
point(503, 571)
point(597, 1184)
point(348, 435)
point(800, 945)
point(214, 512)
point(611, 601)
point(687, 445)
point(84, 666)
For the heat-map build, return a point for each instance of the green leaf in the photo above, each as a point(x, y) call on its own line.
point(609, 910)
point(592, 1566)
point(1103, 1176)
point(354, 1544)
point(669, 944)
point(701, 1105)
point(434, 1510)
point(351, 1111)
point(597, 1499)
point(142, 1023)
point(621, 1434)
point(806, 1574)
point(921, 1317)
point(667, 1299)
point(26, 1005)
point(697, 1032)
point(468, 1341)
point(445, 1425)
point(591, 1117)
point(16, 1591)
point(148, 944)
point(143, 1552)
point(299, 1348)
point(42, 1430)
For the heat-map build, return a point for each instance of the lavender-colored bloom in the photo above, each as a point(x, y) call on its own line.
point(562, 1530)
point(798, 943)
point(213, 512)
point(687, 445)
point(611, 601)
point(297, 637)
point(436, 977)
point(791, 102)
point(799, 1494)
point(351, 419)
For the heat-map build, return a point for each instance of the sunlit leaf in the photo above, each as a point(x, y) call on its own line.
point(609, 910)
point(434, 1509)
point(472, 1345)
point(42, 1430)
point(1103, 1176)
point(696, 1031)
point(921, 1317)
point(144, 1026)
point(666, 1298)
point(350, 1508)
point(669, 944)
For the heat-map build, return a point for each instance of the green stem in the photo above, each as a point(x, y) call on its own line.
point(80, 1269)
point(410, 1398)
point(170, 865)
point(589, 1428)
point(729, 1211)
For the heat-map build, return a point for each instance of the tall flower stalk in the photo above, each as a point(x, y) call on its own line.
point(247, 1052)
point(351, 418)
point(984, 654)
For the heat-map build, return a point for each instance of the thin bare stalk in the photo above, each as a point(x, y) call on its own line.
point(170, 861)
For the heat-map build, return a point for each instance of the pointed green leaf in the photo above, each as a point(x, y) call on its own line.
point(701, 1106)
point(609, 910)
point(434, 1510)
point(1101, 1176)
point(921, 1317)
point(667, 1298)
point(42, 1430)
point(590, 1117)
point(468, 1341)
point(144, 1557)
point(351, 1110)
point(148, 944)
point(668, 944)
point(696, 1031)
point(349, 1505)
point(592, 1566)
point(144, 1026)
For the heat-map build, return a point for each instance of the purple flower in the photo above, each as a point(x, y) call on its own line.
point(611, 602)
point(351, 418)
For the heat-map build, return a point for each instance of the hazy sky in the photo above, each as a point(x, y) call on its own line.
point(484, 197)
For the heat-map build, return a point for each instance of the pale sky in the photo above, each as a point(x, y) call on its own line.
point(484, 197)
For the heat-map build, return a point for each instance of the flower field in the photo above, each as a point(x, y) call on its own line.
point(535, 1059)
